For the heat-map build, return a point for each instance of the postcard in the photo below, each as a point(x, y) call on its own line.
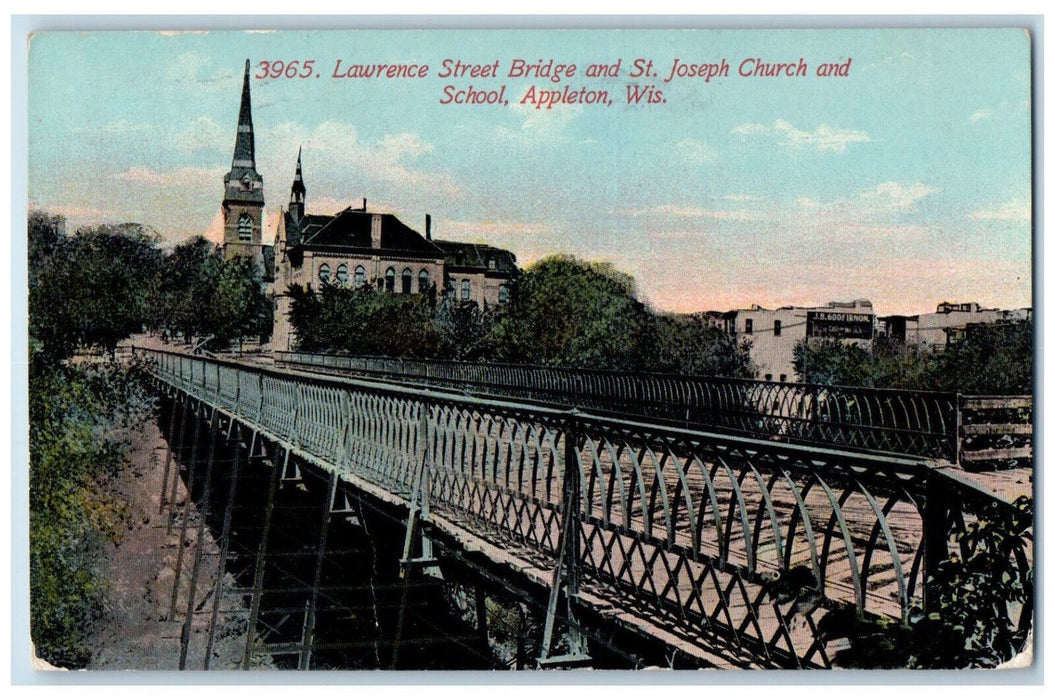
point(523, 349)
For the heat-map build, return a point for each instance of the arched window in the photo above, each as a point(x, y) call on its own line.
point(390, 279)
point(245, 228)
point(342, 273)
point(423, 281)
point(503, 294)
point(360, 276)
point(408, 280)
point(324, 272)
point(467, 290)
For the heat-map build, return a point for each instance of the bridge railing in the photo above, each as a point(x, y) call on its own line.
point(903, 422)
point(744, 542)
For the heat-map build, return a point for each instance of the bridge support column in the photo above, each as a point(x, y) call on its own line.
point(566, 574)
point(174, 409)
point(225, 541)
point(186, 507)
point(203, 514)
point(261, 554)
point(308, 637)
point(417, 556)
point(180, 446)
point(936, 511)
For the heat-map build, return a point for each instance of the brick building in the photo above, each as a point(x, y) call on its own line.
point(354, 246)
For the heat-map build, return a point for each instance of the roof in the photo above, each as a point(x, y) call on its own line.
point(307, 226)
point(350, 231)
point(477, 256)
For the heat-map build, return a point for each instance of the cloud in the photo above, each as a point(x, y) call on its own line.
point(334, 154)
point(883, 199)
point(187, 67)
point(681, 235)
point(1015, 210)
point(203, 134)
point(191, 71)
point(680, 211)
point(538, 125)
point(740, 197)
point(76, 213)
point(490, 229)
point(896, 196)
point(823, 138)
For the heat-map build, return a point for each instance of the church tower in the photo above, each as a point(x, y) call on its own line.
point(243, 199)
point(297, 194)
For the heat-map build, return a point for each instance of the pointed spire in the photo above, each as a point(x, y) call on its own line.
point(298, 192)
point(298, 179)
point(244, 146)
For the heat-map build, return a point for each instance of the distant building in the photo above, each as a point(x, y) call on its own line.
point(946, 325)
point(359, 248)
point(775, 332)
point(353, 247)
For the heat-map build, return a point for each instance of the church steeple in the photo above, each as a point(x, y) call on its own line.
point(297, 193)
point(243, 202)
point(244, 145)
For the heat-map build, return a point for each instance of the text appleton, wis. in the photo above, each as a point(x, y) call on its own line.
point(469, 83)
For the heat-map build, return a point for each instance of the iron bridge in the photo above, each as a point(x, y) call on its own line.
point(723, 549)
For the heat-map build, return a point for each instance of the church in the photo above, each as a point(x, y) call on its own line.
point(353, 247)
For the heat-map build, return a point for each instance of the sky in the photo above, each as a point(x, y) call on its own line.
point(906, 181)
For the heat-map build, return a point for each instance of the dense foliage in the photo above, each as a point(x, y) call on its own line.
point(102, 284)
point(202, 295)
point(364, 321)
point(976, 595)
point(991, 359)
point(75, 417)
point(562, 311)
point(90, 289)
point(574, 314)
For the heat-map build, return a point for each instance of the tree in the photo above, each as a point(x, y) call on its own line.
point(995, 358)
point(45, 234)
point(686, 344)
point(364, 321)
point(238, 306)
point(91, 289)
point(464, 330)
point(203, 295)
point(568, 312)
point(830, 361)
point(189, 275)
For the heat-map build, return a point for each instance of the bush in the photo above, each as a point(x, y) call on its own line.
point(75, 414)
point(977, 596)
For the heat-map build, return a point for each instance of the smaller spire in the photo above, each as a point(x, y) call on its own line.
point(298, 179)
point(298, 192)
